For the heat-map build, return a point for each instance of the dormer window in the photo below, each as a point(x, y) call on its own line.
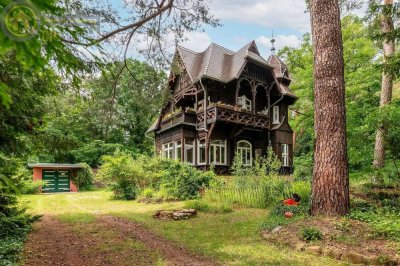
point(244, 103)
point(275, 114)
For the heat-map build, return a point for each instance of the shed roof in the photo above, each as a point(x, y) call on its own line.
point(55, 165)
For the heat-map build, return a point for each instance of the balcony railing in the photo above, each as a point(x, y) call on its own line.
point(228, 114)
point(187, 117)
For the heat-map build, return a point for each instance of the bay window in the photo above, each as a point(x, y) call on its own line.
point(189, 151)
point(178, 150)
point(168, 150)
point(201, 152)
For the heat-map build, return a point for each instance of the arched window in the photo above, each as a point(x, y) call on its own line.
point(244, 149)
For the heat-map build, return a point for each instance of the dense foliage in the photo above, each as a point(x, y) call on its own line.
point(152, 177)
point(106, 114)
point(15, 224)
point(84, 177)
point(362, 97)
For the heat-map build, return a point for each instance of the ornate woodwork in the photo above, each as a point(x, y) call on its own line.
point(217, 113)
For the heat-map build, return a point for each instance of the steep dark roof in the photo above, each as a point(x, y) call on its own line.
point(153, 126)
point(219, 63)
point(284, 89)
point(280, 68)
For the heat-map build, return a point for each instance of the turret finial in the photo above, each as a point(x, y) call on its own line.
point(273, 44)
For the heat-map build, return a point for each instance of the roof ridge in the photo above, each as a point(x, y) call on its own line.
point(184, 48)
point(209, 57)
point(244, 47)
point(226, 49)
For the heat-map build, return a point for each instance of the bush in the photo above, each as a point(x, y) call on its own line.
point(84, 177)
point(148, 193)
point(311, 234)
point(169, 178)
point(31, 187)
point(304, 166)
point(15, 224)
point(125, 189)
point(182, 180)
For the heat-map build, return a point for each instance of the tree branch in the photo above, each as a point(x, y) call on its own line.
point(127, 27)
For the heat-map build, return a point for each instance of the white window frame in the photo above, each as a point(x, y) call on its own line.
point(200, 145)
point(214, 146)
point(245, 150)
point(275, 114)
point(285, 155)
point(168, 150)
point(244, 103)
point(189, 147)
point(178, 144)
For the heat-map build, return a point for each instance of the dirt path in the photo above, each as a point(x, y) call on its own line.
point(107, 241)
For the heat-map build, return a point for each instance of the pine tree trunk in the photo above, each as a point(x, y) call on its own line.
point(387, 86)
point(330, 185)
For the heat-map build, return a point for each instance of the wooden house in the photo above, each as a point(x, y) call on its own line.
point(225, 103)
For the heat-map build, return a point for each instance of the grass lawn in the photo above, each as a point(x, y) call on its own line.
point(231, 238)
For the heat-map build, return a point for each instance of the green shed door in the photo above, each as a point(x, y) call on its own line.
point(56, 181)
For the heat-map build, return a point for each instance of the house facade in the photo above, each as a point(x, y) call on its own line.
point(225, 103)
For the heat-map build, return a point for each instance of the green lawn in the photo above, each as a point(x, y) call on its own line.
point(232, 238)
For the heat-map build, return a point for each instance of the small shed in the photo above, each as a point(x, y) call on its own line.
point(58, 177)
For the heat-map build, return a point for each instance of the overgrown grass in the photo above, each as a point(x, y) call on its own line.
point(231, 238)
point(383, 216)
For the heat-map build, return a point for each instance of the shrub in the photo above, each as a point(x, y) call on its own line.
point(182, 180)
point(303, 169)
point(170, 178)
point(15, 224)
point(148, 193)
point(125, 189)
point(31, 187)
point(311, 234)
point(84, 177)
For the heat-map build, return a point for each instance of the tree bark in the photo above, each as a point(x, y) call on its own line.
point(387, 27)
point(330, 184)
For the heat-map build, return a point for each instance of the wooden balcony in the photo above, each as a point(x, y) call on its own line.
point(229, 114)
point(183, 117)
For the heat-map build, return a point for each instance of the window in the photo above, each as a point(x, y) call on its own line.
point(244, 149)
point(168, 150)
point(275, 115)
point(189, 151)
point(218, 152)
point(285, 155)
point(244, 102)
point(178, 150)
point(201, 152)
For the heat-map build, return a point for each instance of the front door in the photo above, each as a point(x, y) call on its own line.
point(56, 181)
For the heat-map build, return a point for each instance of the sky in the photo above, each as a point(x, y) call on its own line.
point(247, 20)
point(243, 21)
